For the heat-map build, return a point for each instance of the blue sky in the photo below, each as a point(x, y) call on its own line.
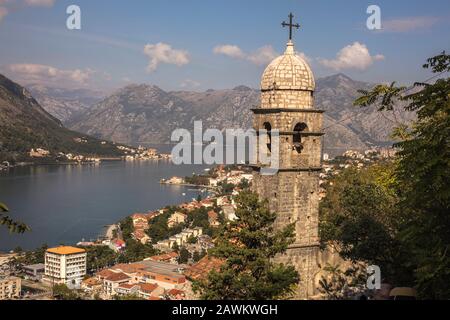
point(202, 44)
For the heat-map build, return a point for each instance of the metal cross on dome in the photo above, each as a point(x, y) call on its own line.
point(290, 25)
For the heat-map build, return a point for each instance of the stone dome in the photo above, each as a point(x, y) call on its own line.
point(288, 72)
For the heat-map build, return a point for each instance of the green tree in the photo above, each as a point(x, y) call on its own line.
point(360, 218)
point(196, 256)
point(136, 251)
point(62, 292)
point(423, 172)
point(184, 256)
point(244, 184)
point(248, 247)
point(128, 297)
point(127, 228)
point(192, 240)
point(7, 221)
point(100, 257)
point(226, 188)
point(340, 284)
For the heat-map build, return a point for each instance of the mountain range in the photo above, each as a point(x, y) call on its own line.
point(142, 114)
point(64, 104)
point(24, 125)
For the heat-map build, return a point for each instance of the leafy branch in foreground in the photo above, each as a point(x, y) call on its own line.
point(423, 172)
point(339, 284)
point(6, 220)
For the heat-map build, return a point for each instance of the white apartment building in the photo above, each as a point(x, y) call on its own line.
point(65, 265)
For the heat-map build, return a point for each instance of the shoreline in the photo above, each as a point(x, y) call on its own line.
point(68, 163)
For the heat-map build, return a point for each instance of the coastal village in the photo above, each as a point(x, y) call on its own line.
point(154, 255)
point(40, 154)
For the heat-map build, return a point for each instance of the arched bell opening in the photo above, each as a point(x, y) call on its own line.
point(268, 127)
point(297, 137)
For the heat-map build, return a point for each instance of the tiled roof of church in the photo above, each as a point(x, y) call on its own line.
point(288, 72)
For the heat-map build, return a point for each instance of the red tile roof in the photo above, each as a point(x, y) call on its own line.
point(201, 269)
point(104, 273)
point(127, 286)
point(148, 287)
point(119, 242)
point(165, 257)
point(90, 282)
point(139, 216)
point(212, 215)
point(128, 268)
point(120, 276)
point(175, 292)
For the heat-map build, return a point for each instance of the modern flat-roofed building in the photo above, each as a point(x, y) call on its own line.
point(165, 275)
point(34, 271)
point(65, 265)
point(10, 288)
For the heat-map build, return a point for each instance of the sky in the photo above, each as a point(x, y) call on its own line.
point(212, 44)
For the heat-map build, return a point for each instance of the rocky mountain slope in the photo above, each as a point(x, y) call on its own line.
point(145, 114)
point(64, 104)
point(24, 125)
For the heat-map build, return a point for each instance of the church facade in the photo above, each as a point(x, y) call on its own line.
point(287, 105)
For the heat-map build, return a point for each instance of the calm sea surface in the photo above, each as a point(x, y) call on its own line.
point(65, 204)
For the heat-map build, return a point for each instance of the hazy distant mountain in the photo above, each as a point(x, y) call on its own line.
point(64, 104)
point(145, 114)
point(24, 124)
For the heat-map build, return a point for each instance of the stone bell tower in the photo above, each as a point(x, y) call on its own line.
point(287, 105)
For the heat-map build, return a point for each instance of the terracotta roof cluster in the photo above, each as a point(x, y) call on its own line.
point(175, 292)
point(119, 276)
point(90, 282)
point(128, 268)
point(201, 269)
point(140, 224)
point(104, 273)
point(139, 234)
point(164, 257)
point(141, 216)
point(212, 215)
point(147, 287)
point(127, 286)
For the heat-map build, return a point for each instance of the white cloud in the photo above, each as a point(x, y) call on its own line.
point(260, 56)
point(263, 55)
point(3, 12)
point(305, 57)
point(408, 24)
point(7, 6)
point(229, 50)
point(38, 73)
point(354, 56)
point(40, 3)
point(164, 53)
